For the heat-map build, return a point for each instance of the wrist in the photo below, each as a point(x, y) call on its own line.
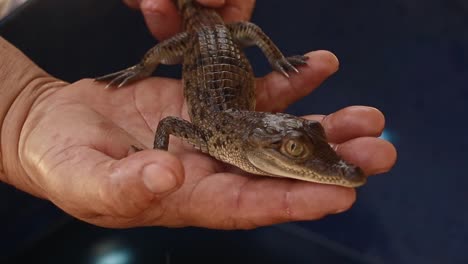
point(21, 84)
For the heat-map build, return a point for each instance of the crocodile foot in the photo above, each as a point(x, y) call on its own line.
point(122, 77)
point(133, 149)
point(286, 64)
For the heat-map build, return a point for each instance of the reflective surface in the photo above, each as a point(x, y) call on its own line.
point(408, 58)
point(272, 245)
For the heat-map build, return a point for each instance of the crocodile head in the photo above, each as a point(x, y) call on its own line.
point(287, 146)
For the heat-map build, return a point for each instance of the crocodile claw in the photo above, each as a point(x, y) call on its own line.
point(285, 65)
point(135, 148)
point(122, 77)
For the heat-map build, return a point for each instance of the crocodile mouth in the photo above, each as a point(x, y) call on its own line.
point(273, 163)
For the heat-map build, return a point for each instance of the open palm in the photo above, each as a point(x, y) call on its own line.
point(75, 149)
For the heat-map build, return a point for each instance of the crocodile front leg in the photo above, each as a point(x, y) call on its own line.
point(180, 128)
point(248, 34)
point(168, 52)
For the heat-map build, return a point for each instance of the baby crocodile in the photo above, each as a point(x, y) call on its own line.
point(219, 88)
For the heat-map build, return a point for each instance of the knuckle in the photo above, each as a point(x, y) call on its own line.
point(123, 200)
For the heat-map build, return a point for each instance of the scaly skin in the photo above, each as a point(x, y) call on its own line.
point(220, 91)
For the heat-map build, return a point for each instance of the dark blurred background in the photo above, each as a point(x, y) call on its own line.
point(408, 58)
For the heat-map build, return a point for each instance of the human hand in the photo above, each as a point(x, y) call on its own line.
point(69, 143)
point(163, 20)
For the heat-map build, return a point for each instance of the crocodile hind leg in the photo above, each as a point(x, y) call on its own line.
point(168, 52)
point(180, 128)
point(248, 34)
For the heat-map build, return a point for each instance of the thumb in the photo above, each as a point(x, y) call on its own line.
point(99, 187)
point(154, 172)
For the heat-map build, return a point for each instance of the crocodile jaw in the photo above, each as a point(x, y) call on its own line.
point(274, 164)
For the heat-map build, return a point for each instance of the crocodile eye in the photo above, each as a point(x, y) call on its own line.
point(294, 148)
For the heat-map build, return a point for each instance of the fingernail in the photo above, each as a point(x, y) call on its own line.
point(157, 179)
point(335, 58)
point(339, 211)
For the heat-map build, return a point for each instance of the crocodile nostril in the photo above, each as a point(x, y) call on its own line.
point(354, 174)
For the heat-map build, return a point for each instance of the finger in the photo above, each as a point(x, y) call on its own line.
point(237, 10)
point(352, 122)
point(90, 175)
point(373, 155)
point(162, 18)
point(353, 131)
point(283, 91)
point(260, 201)
point(133, 3)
